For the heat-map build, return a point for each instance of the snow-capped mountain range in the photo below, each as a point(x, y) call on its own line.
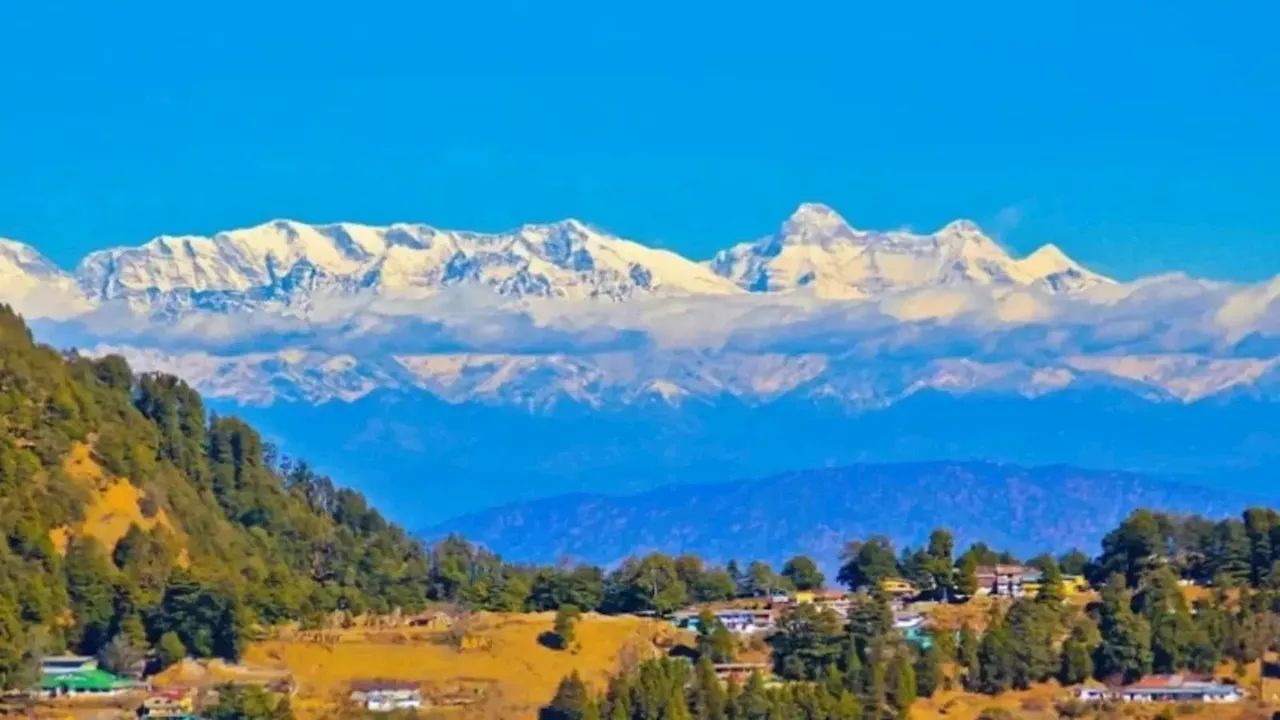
point(567, 313)
point(287, 264)
point(558, 357)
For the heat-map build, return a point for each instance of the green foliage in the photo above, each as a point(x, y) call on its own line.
point(263, 539)
point(91, 591)
point(249, 702)
point(566, 625)
point(808, 639)
point(1073, 562)
point(572, 700)
point(1076, 661)
point(967, 657)
point(867, 564)
point(803, 573)
point(761, 580)
point(651, 583)
point(169, 649)
point(966, 575)
point(929, 671)
point(707, 698)
point(1125, 651)
point(714, 639)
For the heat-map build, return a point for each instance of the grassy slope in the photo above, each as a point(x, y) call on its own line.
point(114, 504)
point(515, 671)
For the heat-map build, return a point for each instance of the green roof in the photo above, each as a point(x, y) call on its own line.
point(84, 680)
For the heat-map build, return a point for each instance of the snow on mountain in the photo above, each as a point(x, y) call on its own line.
point(34, 285)
point(289, 263)
point(564, 313)
point(613, 380)
point(816, 249)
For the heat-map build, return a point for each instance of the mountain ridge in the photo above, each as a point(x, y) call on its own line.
point(288, 261)
point(1026, 510)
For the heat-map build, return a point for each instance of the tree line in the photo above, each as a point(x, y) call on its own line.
point(857, 666)
point(239, 537)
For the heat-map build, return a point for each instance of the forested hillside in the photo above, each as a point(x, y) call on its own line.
point(247, 537)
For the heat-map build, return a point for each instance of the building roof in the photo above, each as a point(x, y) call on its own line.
point(1000, 570)
point(84, 680)
point(382, 685)
point(68, 660)
point(1178, 684)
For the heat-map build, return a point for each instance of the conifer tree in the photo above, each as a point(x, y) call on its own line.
point(570, 702)
point(929, 669)
point(1125, 650)
point(968, 657)
point(1076, 663)
point(901, 683)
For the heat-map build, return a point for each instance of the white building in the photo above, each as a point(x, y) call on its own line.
point(386, 696)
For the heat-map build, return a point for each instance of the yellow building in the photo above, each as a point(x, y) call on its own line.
point(897, 586)
point(1074, 584)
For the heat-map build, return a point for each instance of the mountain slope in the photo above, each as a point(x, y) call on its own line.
point(130, 515)
point(1024, 510)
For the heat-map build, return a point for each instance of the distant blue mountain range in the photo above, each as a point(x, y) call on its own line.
point(423, 460)
point(1023, 510)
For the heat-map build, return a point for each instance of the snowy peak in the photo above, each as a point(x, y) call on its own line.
point(21, 260)
point(1051, 269)
point(286, 264)
point(289, 262)
point(34, 285)
point(816, 250)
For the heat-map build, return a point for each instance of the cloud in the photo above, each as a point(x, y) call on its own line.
point(1170, 314)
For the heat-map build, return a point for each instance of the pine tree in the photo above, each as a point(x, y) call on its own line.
point(714, 639)
point(90, 587)
point(966, 575)
point(996, 660)
point(170, 649)
point(565, 627)
point(1076, 663)
point(901, 682)
point(754, 703)
point(707, 696)
point(968, 658)
point(1051, 592)
point(1125, 650)
point(929, 668)
point(1031, 627)
point(570, 702)
point(16, 668)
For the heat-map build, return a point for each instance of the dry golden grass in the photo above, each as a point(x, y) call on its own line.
point(510, 662)
point(115, 505)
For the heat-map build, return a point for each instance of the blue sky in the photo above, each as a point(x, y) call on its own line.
point(1141, 136)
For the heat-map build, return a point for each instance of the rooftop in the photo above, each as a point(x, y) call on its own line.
point(84, 680)
point(367, 686)
point(1177, 682)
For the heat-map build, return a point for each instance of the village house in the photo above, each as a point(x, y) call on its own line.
point(90, 682)
point(66, 664)
point(1177, 688)
point(898, 588)
point(1165, 689)
point(176, 703)
point(386, 695)
point(1007, 580)
point(1074, 584)
point(739, 622)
